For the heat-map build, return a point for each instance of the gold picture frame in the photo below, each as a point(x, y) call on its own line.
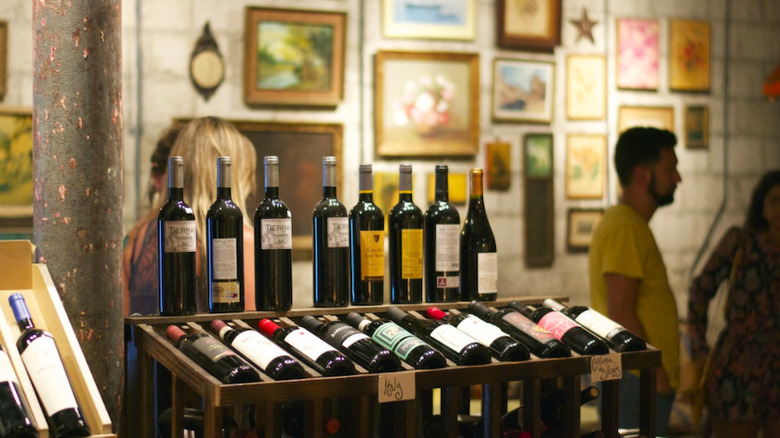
point(689, 55)
point(586, 87)
point(661, 117)
point(697, 127)
point(586, 156)
point(536, 28)
point(404, 19)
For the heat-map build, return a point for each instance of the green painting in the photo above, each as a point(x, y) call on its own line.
point(294, 56)
point(16, 143)
point(538, 155)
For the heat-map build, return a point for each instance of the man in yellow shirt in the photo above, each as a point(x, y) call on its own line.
point(628, 280)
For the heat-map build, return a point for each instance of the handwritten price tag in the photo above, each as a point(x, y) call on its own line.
point(396, 387)
point(606, 367)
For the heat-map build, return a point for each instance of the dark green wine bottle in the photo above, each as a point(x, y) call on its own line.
point(442, 259)
point(330, 243)
point(478, 256)
point(405, 223)
point(367, 244)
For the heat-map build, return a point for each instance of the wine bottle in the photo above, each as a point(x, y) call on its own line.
point(405, 345)
point(615, 334)
point(176, 247)
point(330, 243)
point(259, 350)
point(15, 417)
point(367, 244)
point(502, 346)
point(307, 347)
point(225, 247)
point(563, 328)
point(405, 222)
point(47, 374)
point(273, 245)
point(538, 340)
point(355, 344)
point(478, 256)
point(453, 343)
point(213, 356)
point(442, 257)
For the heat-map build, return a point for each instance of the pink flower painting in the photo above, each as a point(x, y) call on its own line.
point(637, 64)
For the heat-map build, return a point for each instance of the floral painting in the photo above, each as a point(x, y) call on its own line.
point(586, 87)
point(523, 90)
point(689, 54)
point(637, 54)
point(16, 164)
point(585, 166)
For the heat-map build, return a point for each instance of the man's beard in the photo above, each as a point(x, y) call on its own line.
point(659, 198)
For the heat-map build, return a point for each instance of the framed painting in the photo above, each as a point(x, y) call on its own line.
point(533, 25)
point(637, 54)
point(539, 203)
point(689, 55)
point(661, 117)
point(437, 19)
point(579, 227)
point(426, 104)
point(498, 170)
point(456, 183)
point(697, 127)
point(523, 91)
point(16, 166)
point(3, 58)
point(586, 87)
point(586, 156)
point(293, 57)
point(537, 150)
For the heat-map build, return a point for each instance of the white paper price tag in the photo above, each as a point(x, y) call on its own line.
point(396, 387)
point(606, 367)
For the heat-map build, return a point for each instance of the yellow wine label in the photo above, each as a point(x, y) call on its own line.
point(372, 255)
point(411, 254)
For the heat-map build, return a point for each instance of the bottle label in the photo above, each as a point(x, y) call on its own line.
point(480, 330)
point(338, 232)
point(7, 373)
point(412, 254)
point(529, 327)
point(224, 292)
point(354, 338)
point(392, 336)
point(557, 323)
point(308, 344)
point(212, 348)
point(372, 255)
point(343, 334)
point(599, 324)
point(257, 348)
point(447, 282)
point(276, 233)
point(487, 273)
point(451, 337)
point(224, 258)
point(179, 236)
point(447, 248)
point(48, 375)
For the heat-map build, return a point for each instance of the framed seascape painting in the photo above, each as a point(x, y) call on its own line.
point(529, 24)
point(689, 55)
point(436, 19)
point(293, 57)
point(523, 91)
point(697, 127)
point(579, 227)
point(586, 156)
point(539, 202)
point(426, 104)
point(586, 87)
point(661, 117)
point(16, 171)
point(637, 54)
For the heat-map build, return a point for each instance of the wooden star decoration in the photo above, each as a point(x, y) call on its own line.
point(584, 26)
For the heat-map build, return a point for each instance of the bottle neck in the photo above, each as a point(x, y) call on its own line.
point(476, 201)
point(366, 186)
point(328, 191)
point(223, 193)
point(271, 175)
point(271, 192)
point(25, 324)
point(176, 179)
point(366, 196)
point(442, 192)
point(405, 186)
point(175, 194)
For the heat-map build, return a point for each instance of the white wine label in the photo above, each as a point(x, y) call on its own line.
point(276, 233)
point(179, 236)
point(529, 327)
point(447, 247)
point(557, 323)
point(412, 254)
point(372, 255)
point(480, 330)
point(223, 292)
point(257, 348)
point(48, 375)
point(599, 324)
point(487, 273)
point(7, 373)
point(354, 338)
point(338, 232)
point(447, 282)
point(214, 349)
point(308, 344)
point(451, 337)
point(224, 258)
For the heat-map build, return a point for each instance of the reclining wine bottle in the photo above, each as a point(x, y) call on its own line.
point(14, 411)
point(568, 331)
point(211, 354)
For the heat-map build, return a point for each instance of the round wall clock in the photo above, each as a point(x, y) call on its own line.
point(207, 68)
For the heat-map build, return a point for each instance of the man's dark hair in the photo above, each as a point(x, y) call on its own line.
point(640, 146)
point(755, 220)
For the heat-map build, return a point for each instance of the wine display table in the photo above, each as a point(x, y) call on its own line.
point(361, 391)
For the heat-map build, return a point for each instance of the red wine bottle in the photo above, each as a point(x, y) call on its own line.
point(15, 416)
point(330, 243)
point(453, 343)
point(273, 245)
point(563, 328)
point(260, 351)
point(405, 345)
point(355, 344)
point(47, 374)
point(367, 244)
point(502, 346)
point(538, 340)
point(225, 247)
point(213, 356)
point(442, 243)
point(478, 256)
point(405, 222)
point(176, 247)
point(307, 347)
point(615, 334)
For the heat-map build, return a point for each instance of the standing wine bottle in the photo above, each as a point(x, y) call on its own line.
point(478, 257)
point(259, 350)
point(563, 328)
point(405, 345)
point(502, 346)
point(538, 340)
point(453, 343)
point(213, 356)
point(47, 374)
point(405, 222)
point(367, 244)
point(307, 347)
point(273, 245)
point(176, 247)
point(355, 344)
point(442, 257)
point(15, 419)
point(615, 334)
point(225, 247)
point(330, 243)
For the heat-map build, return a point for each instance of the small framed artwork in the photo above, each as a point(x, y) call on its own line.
point(539, 204)
point(586, 156)
point(586, 87)
point(523, 91)
point(457, 185)
point(689, 55)
point(533, 25)
point(293, 57)
point(16, 179)
point(497, 166)
point(697, 127)
point(580, 226)
point(3, 58)
point(427, 104)
point(637, 54)
point(437, 19)
point(661, 117)
point(538, 150)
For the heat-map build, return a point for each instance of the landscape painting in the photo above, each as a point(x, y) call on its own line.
point(16, 163)
point(523, 90)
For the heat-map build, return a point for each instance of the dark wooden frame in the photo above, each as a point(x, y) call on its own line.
point(572, 245)
point(701, 141)
point(539, 211)
point(520, 41)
